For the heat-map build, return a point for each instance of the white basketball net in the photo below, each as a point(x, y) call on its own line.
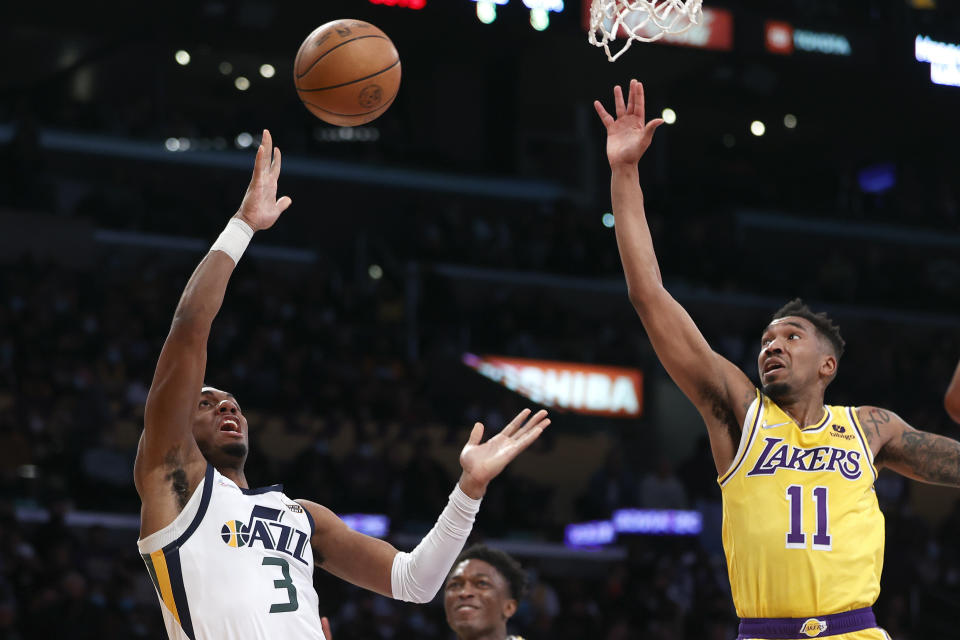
point(644, 20)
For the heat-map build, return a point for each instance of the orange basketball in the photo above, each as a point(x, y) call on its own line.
point(347, 72)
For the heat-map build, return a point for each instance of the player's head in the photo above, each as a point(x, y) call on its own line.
point(799, 348)
point(220, 429)
point(482, 592)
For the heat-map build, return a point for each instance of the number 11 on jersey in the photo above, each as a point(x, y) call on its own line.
point(796, 538)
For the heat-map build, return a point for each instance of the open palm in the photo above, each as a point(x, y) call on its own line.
point(260, 207)
point(481, 463)
point(628, 135)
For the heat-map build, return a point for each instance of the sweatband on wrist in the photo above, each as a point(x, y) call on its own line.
point(234, 239)
point(418, 575)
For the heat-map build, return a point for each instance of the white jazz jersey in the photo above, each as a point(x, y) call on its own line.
point(236, 564)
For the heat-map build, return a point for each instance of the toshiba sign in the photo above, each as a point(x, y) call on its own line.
point(583, 388)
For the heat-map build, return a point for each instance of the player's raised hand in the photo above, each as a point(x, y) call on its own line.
point(260, 207)
point(629, 134)
point(482, 463)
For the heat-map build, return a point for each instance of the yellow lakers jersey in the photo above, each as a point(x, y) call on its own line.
point(802, 530)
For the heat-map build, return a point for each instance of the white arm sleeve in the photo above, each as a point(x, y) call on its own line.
point(417, 576)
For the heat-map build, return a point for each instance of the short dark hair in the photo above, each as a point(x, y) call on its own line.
point(509, 568)
point(821, 322)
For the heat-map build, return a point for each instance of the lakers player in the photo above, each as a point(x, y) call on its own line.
point(802, 530)
point(234, 563)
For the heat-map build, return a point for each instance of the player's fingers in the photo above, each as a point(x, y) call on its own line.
point(476, 434)
point(653, 125)
point(283, 203)
point(530, 437)
point(267, 141)
point(538, 420)
point(514, 424)
point(275, 167)
point(605, 117)
point(618, 101)
point(640, 102)
point(632, 97)
point(325, 627)
point(258, 163)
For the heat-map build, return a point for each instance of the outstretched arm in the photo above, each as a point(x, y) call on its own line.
point(919, 455)
point(719, 390)
point(169, 465)
point(951, 401)
point(416, 576)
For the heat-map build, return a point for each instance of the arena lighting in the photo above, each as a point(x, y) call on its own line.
point(669, 115)
point(790, 121)
point(487, 10)
point(371, 524)
point(243, 140)
point(182, 57)
point(267, 70)
point(944, 59)
point(757, 128)
point(241, 83)
point(658, 522)
point(540, 12)
point(375, 272)
point(225, 68)
point(608, 220)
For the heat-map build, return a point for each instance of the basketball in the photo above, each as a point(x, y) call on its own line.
point(347, 72)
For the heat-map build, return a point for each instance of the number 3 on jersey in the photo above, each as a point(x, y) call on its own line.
point(796, 538)
point(287, 583)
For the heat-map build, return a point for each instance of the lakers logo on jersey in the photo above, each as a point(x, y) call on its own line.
point(235, 533)
point(813, 627)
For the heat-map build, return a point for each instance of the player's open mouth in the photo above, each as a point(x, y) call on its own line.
point(463, 607)
point(230, 425)
point(772, 365)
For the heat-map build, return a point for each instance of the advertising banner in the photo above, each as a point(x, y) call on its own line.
point(582, 388)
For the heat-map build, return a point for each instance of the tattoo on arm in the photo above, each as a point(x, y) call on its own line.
point(925, 456)
point(875, 418)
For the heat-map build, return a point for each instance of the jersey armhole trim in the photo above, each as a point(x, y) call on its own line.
point(306, 511)
point(864, 443)
point(201, 511)
point(746, 438)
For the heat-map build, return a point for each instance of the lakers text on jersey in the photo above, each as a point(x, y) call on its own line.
point(802, 530)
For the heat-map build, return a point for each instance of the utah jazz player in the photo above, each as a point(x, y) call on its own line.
point(230, 562)
point(802, 530)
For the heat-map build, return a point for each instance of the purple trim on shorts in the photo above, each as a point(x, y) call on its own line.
point(791, 628)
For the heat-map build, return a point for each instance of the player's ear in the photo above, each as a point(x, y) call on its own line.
point(828, 366)
point(509, 608)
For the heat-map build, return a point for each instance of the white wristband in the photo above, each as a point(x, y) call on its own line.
point(234, 239)
point(418, 575)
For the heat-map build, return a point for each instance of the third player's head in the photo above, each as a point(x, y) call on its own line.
point(799, 349)
point(220, 429)
point(482, 592)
